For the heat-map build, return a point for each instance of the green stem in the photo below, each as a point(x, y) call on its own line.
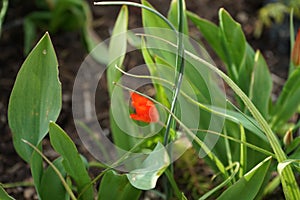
point(172, 181)
point(243, 153)
point(256, 148)
point(292, 40)
point(228, 152)
point(179, 70)
point(120, 3)
point(17, 184)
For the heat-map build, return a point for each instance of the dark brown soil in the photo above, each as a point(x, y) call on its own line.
point(71, 52)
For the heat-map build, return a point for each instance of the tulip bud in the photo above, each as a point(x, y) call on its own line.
point(288, 137)
point(295, 56)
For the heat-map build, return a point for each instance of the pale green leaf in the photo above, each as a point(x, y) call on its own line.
point(288, 100)
point(152, 168)
point(173, 16)
point(51, 182)
point(72, 161)
point(261, 85)
point(36, 97)
point(117, 186)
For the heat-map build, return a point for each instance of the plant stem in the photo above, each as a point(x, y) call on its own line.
point(111, 3)
point(18, 184)
point(179, 70)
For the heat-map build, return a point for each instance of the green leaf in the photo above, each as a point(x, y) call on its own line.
point(72, 161)
point(36, 97)
point(150, 19)
point(117, 51)
point(234, 42)
point(288, 100)
point(4, 195)
point(245, 72)
point(156, 26)
point(261, 85)
point(50, 182)
point(210, 32)
point(116, 186)
point(153, 69)
point(228, 40)
point(173, 16)
point(246, 121)
point(152, 168)
point(249, 185)
point(117, 48)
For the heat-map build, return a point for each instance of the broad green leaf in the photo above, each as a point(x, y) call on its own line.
point(173, 16)
point(117, 186)
point(117, 48)
point(4, 195)
point(150, 19)
point(152, 168)
point(245, 73)
point(249, 185)
point(261, 85)
point(247, 122)
point(210, 32)
point(227, 40)
point(234, 42)
point(117, 51)
point(157, 27)
point(288, 100)
point(160, 91)
point(36, 97)
point(50, 182)
point(72, 161)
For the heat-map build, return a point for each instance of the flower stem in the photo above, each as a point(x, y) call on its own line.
point(179, 70)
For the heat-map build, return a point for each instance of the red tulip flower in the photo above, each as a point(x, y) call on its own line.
point(296, 50)
point(145, 109)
